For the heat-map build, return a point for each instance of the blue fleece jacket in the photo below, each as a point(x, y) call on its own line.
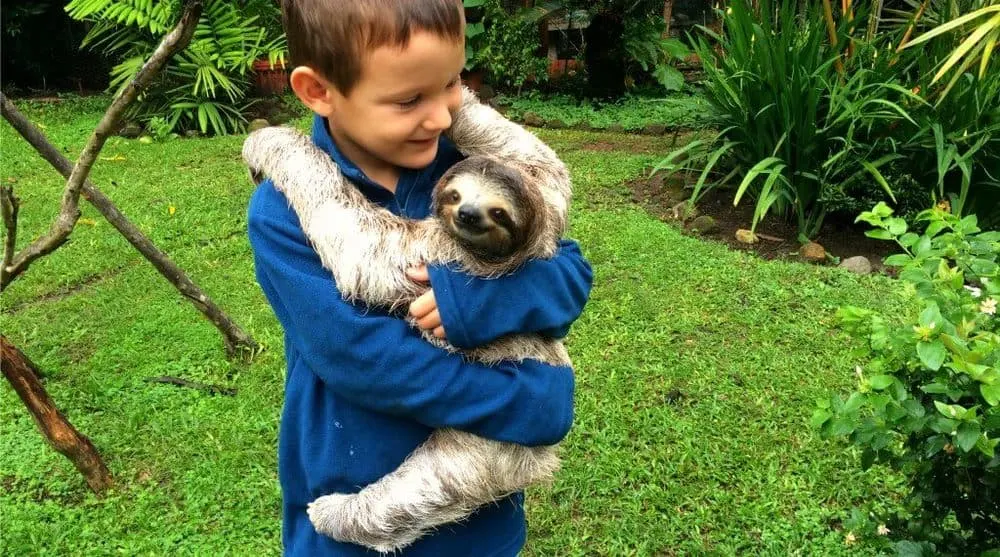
point(364, 389)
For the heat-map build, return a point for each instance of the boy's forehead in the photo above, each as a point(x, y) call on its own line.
point(424, 61)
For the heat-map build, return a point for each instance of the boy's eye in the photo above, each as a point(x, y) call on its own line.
point(409, 103)
point(453, 82)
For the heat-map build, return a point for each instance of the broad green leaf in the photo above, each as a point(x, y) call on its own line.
point(879, 234)
point(898, 260)
point(923, 246)
point(934, 228)
point(934, 445)
point(819, 417)
point(840, 427)
point(880, 382)
point(931, 316)
point(968, 434)
point(908, 239)
point(950, 411)
point(991, 393)
point(854, 402)
point(932, 354)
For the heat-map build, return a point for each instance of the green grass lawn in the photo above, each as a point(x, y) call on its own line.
point(680, 110)
point(697, 369)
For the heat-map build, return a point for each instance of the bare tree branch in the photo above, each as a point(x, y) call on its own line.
point(69, 211)
point(8, 207)
point(235, 338)
point(58, 432)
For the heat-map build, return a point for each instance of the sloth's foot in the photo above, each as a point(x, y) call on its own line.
point(344, 518)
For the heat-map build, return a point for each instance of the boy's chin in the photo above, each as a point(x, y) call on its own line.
point(419, 159)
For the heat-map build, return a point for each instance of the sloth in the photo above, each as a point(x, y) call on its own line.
point(503, 205)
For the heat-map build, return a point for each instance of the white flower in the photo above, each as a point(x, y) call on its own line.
point(850, 538)
point(976, 292)
point(882, 530)
point(989, 306)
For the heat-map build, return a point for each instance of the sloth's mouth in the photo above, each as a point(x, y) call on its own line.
point(472, 228)
point(471, 232)
point(480, 239)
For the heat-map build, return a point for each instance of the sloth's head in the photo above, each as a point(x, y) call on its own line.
point(487, 207)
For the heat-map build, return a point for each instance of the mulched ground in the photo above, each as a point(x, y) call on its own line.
point(778, 238)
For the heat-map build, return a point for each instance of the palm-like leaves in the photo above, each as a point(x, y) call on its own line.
point(205, 85)
point(978, 45)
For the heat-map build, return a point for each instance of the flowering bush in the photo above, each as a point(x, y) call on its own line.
point(928, 392)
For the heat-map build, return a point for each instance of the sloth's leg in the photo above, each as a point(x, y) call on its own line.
point(367, 248)
point(441, 482)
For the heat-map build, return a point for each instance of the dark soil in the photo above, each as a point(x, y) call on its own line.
point(275, 109)
point(778, 238)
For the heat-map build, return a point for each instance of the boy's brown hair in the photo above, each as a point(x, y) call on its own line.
point(333, 36)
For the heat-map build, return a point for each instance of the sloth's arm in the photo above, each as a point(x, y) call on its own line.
point(366, 247)
point(477, 129)
point(379, 362)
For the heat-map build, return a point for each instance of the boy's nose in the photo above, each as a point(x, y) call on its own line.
point(440, 117)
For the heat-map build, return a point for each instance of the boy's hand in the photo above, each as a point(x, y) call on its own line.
point(424, 309)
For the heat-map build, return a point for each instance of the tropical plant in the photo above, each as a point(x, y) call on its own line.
point(505, 45)
point(621, 36)
point(955, 152)
point(474, 32)
point(205, 86)
point(652, 52)
point(928, 396)
point(980, 34)
point(795, 126)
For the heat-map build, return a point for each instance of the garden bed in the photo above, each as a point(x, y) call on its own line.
point(778, 239)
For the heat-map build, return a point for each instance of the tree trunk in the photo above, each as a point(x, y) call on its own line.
point(59, 433)
point(668, 14)
point(604, 55)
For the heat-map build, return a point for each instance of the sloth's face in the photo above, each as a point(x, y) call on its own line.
point(485, 206)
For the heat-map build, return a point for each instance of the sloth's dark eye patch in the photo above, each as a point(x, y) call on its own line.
point(454, 196)
point(499, 216)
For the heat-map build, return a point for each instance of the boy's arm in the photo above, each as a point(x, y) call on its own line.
point(382, 363)
point(545, 296)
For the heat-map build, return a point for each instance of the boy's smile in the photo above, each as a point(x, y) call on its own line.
point(403, 101)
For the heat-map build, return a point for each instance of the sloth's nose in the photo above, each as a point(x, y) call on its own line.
point(469, 215)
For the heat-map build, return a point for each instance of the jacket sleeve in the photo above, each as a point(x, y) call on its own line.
point(544, 296)
point(380, 362)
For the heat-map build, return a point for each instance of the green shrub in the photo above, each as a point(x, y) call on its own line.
point(804, 140)
point(955, 151)
point(928, 392)
point(504, 45)
point(794, 129)
point(653, 54)
point(205, 86)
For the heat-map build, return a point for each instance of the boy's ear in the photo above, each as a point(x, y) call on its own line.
point(314, 91)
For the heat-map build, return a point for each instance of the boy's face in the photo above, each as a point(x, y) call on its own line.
point(401, 104)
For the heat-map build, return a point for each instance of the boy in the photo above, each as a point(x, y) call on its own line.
point(363, 388)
